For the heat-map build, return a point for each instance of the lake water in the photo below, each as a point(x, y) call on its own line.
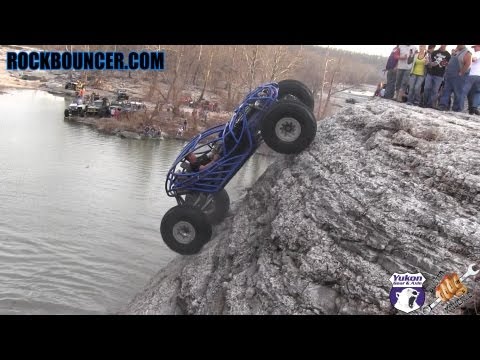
point(80, 211)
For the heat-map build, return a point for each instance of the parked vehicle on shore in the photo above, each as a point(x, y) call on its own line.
point(99, 108)
point(74, 85)
point(76, 108)
point(122, 95)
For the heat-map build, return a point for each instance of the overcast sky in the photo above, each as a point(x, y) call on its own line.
point(383, 50)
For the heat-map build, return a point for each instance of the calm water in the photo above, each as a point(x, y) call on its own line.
point(80, 211)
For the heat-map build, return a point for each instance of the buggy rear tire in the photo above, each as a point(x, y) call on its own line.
point(66, 113)
point(214, 206)
point(288, 127)
point(297, 89)
point(185, 229)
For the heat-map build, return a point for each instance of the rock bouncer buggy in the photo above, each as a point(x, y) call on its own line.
point(279, 114)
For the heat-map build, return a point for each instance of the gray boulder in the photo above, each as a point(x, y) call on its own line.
point(384, 188)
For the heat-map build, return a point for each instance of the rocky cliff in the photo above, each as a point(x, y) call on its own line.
point(384, 188)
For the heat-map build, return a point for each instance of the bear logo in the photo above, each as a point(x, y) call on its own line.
point(407, 293)
point(407, 300)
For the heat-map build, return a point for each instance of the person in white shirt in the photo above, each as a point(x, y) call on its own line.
point(471, 90)
point(403, 69)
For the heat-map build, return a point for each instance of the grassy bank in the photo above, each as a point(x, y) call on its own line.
point(164, 123)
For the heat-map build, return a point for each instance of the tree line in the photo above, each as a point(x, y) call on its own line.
point(230, 71)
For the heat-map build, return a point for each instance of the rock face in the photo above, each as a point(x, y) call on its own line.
point(384, 188)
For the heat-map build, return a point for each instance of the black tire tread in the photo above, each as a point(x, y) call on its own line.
point(192, 215)
point(297, 89)
point(293, 109)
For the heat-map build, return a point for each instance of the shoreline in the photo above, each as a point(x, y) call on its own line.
point(126, 130)
point(96, 123)
point(122, 130)
point(166, 122)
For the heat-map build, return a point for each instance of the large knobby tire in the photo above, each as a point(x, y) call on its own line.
point(288, 127)
point(66, 113)
point(214, 206)
point(296, 89)
point(185, 229)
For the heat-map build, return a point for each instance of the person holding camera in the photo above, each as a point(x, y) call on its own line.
point(403, 70)
point(435, 72)
point(417, 74)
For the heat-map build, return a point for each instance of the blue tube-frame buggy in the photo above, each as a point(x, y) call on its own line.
point(278, 113)
point(239, 139)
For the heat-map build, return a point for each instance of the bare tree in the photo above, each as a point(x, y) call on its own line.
point(230, 77)
point(336, 87)
point(174, 79)
point(251, 59)
point(279, 61)
point(330, 88)
point(323, 83)
point(194, 80)
point(207, 74)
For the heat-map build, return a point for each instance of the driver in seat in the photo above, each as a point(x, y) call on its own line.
point(204, 160)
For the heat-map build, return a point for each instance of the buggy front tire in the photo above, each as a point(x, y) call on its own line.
point(185, 229)
point(288, 127)
point(296, 89)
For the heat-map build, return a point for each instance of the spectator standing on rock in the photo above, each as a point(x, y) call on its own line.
point(471, 89)
point(435, 72)
point(455, 75)
point(185, 125)
point(391, 69)
point(417, 74)
point(430, 50)
point(403, 70)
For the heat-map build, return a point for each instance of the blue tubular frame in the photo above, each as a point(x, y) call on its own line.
point(243, 138)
